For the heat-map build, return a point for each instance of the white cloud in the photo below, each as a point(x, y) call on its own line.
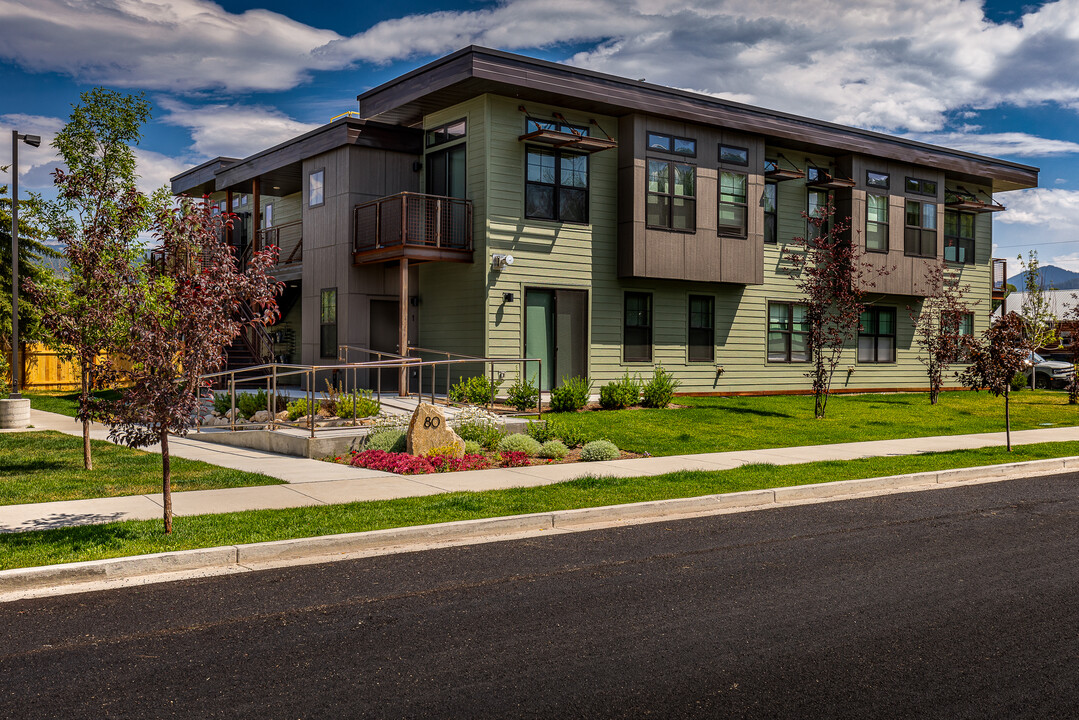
point(231, 130)
point(1015, 144)
point(1042, 208)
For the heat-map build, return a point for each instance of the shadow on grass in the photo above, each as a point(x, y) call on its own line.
point(34, 466)
point(752, 411)
point(87, 528)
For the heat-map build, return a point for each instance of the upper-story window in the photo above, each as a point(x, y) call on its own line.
point(877, 179)
point(958, 236)
point(672, 144)
point(672, 196)
point(876, 222)
point(771, 219)
point(816, 201)
point(921, 187)
point(731, 155)
point(733, 206)
point(814, 173)
point(446, 133)
point(556, 185)
point(532, 124)
point(316, 187)
point(920, 235)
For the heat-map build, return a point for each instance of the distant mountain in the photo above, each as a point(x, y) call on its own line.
point(1051, 276)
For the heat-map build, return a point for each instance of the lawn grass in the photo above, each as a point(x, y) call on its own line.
point(47, 466)
point(63, 402)
point(92, 542)
point(718, 424)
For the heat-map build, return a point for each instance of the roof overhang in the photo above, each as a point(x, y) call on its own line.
point(475, 70)
point(201, 179)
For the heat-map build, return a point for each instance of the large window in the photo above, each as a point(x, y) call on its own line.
point(771, 224)
point(876, 336)
point(788, 333)
point(816, 201)
point(672, 196)
point(702, 328)
point(637, 328)
point(556, 187)
point(327, 338)
point(316, 188)
point(920, 236)
point(876, 223)
point(446, 133)
point(446, 171)
point(958, 236)
point(732, 204)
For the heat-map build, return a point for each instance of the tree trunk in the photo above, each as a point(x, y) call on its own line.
point(87, 461)
point(1007, 420)
point(166, 481)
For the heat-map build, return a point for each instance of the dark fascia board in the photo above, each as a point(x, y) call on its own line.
point(345, 131)
point(476, 70)
point(199, 180)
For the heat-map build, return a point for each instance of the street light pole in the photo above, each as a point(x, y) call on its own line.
point(32, 141)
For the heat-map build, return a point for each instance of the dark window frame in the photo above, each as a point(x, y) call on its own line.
point(444, 128)
point(671, 196)
point(788, 334)
point(323, 324)
point(921, 231)
point(708, 331)
point(957, 240)
point(729, 230)
point(878, 223)
point(557, 185)
point(671, 144)
point(877, 335)
point(645, 329)
point(812, 231)
point(320, 171)
point(920, 185)
point(723, 147)
point(870, 183)
point(771, 232)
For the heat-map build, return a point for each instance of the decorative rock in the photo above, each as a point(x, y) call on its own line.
point(209, 420)
point(283, 415)
point(428, 430)
point(261, 416)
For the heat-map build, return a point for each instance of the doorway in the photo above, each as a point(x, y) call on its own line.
point(385, 326)
point(556, 332)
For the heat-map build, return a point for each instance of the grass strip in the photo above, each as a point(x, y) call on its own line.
point(46, 466)
point(92, 542)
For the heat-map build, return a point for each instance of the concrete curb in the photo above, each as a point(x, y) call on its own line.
point(239, 557)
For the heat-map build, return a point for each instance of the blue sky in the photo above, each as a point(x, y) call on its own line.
point(232, 77)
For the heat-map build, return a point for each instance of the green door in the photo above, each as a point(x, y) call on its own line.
point(556, 332)
point(539, 334)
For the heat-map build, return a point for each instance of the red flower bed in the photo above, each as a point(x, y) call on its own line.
point(405, 464)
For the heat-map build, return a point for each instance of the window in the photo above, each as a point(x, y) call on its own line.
point(788, 333)
point(733, 155)
point(921, 229)
point(732, 204)
point(876, 223)
point(921, 187)
point(315, 188)
point(532, 124)
point(816, 200)
point(770, 165)
point(876, 179)
point(966, 325)
point(876, 336)
point(327, 339)
point(556, 185)
point(446, 133)
point(267, 216)
point(771, 232)
point(672, 196)
point(816, 174)
point(702, 328)
point(446, 171)
point(672, 144)
point(958, 237)
point(637, 328)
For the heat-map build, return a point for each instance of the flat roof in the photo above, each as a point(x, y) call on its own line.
point(476, 70)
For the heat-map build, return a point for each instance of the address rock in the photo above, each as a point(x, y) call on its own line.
point(428, 431)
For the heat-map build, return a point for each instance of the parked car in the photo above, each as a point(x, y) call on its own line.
point(1048, 373)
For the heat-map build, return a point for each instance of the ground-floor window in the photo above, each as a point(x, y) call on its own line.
point(876, 335)
point(702, 328)
point(637, 327)
point(327, 342)
point(787, 333)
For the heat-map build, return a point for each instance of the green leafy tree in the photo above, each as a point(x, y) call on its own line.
point(937, 324)
point(995, 360)
point(97, 218)
point(1039, 323)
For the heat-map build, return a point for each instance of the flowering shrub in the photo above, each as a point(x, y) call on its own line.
point(446, 463)
point(405, 464)
point(512, 459)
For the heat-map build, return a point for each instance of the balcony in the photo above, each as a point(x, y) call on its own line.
point(413, 226)
point(288, 238)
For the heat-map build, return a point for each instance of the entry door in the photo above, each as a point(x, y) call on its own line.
point(556, 332)
point(385, 326)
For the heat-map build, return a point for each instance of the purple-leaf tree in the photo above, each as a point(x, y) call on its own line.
point(97, 218)
point(1071, 327)
point(995, 360)
point(189, 315)
point(938, 323)
point(834, 276)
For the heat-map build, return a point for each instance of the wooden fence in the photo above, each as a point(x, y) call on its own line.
point(44, 369)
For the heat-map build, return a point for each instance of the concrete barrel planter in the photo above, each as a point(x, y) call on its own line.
point(14, 413)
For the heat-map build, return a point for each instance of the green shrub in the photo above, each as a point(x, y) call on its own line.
point(364, 404)
point(487, 435)
point(553, 449)
point(222, 402)
point(523, 395)
point(472, 447)
point(599, 450)
point(388, 440)
point(540, 431)
point(1019, 381)
point(620, 394)
point(657, 393)
point(571, 395)
point(478, 390)
point(519, 443)
point(570, 436)
point(248, 404)
point(297, 408)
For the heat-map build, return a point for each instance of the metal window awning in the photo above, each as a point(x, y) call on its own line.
point(781, 174)
point(963, 199)
point(573, 140)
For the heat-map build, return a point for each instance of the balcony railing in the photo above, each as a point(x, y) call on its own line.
point(288, 238)
point(1000, 276)
point(415, 226)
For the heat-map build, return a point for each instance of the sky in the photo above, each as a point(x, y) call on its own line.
point(995, 77)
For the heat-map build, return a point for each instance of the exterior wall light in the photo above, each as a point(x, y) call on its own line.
point(499, 262)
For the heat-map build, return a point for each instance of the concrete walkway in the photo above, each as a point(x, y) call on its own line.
point(313, 482)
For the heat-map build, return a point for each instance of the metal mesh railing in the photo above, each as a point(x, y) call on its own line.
point(413, 219)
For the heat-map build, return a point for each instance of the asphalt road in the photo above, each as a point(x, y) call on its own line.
point(952, 603)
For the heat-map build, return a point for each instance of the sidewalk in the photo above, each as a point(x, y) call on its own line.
point(313, 482)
